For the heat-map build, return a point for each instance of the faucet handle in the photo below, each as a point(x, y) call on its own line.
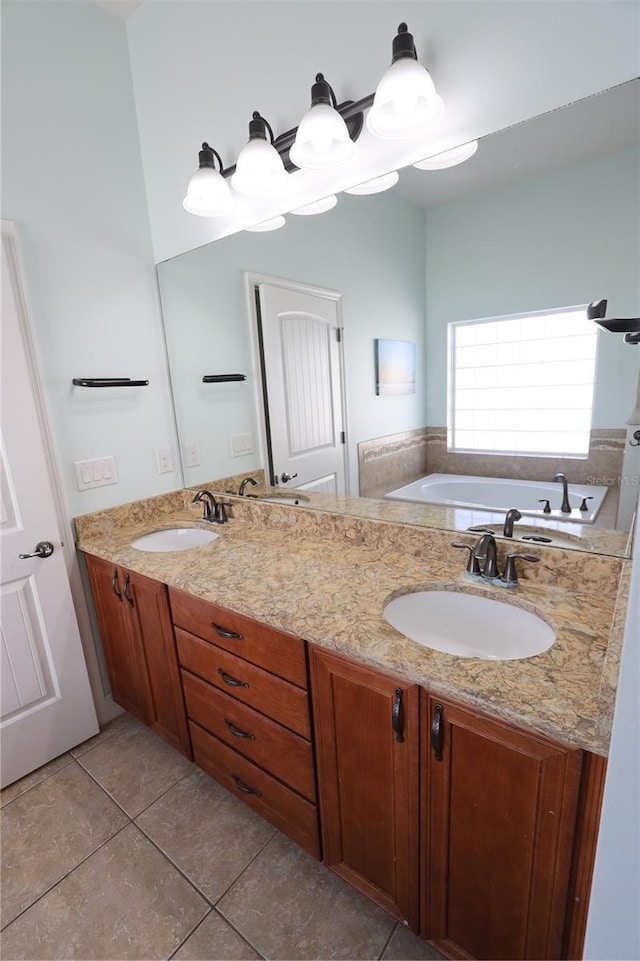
point(510, 575)
point(547, 507)
point(584, 506)
point(473, 565)
point(220, 513)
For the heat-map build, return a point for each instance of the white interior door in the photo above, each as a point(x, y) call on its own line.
point(301, 346)
point(46, 705)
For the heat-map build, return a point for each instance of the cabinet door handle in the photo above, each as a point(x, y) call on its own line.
point(245, 787)
point(127, 585)
point(220, 631)
point(231, 681)
point(397, 716)
point(115, 586)
point(237, 732)
point(437, 732)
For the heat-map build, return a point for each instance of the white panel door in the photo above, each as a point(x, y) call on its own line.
point(46, 705)
point(301, 352)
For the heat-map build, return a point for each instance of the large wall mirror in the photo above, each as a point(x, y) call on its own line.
point(545, 215)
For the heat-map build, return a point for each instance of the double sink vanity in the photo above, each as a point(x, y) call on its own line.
point(461, 792)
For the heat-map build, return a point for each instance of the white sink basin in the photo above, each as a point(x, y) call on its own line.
point(175, 539)
point(285, 498)
point(469, 626)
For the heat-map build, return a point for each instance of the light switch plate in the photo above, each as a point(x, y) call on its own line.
point(241, 444)
point(95, 473)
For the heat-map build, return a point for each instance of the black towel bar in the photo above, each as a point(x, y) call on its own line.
point(108, 382)
point(222, 378)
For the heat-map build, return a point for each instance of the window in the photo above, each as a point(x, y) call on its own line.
point(522, 384)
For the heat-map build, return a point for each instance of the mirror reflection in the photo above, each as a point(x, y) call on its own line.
point(544, 217)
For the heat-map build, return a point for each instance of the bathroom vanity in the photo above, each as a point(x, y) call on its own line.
point(460, 795)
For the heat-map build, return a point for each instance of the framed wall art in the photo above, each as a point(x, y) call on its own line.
point(395, 367)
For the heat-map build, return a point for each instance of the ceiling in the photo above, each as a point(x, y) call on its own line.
point(584, 130)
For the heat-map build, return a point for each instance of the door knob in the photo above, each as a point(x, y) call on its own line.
point(43, 549)
point(285, 478)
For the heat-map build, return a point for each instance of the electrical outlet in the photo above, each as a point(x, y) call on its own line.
point(163, 460)
point(191, 455)
point(241, 444)
point(95, 473)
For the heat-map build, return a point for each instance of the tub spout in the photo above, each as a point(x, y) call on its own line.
point(566, 506)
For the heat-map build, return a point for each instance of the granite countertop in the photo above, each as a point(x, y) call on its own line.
point(279, 565)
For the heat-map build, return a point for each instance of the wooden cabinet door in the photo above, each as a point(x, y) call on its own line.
point(124, 658)
point(366, 727)
point(499, 809)
point(147, 604)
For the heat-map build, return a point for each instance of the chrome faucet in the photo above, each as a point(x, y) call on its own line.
point(512, 515)
point(566, 506)
point(247, 480)
point(208, 502)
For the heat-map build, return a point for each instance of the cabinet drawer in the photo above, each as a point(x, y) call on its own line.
point(283, 753)
point(265, 692)
point(290, 813)
point(279, 653)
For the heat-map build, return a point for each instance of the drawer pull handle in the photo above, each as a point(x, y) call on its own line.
point(245, 787)
point(115, 585)
point(397, 716)
point(437, 732)
point(231, 681)
point(237, 732)
point(230, 635)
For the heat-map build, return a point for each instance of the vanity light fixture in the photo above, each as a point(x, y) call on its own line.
point(259, 167)
point(322, 139)
point(404, 103)
point(375, 186)
point(448, 158)
point(274, 223)
point(208, 193)
point(317, 207)
point(405, 99)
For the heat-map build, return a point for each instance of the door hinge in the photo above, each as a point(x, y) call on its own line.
point(343, 437)
point(339, 334)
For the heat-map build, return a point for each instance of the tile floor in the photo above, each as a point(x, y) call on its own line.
point(123, 849)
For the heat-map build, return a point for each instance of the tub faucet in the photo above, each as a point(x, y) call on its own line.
point(247, 480)
point(485, 550)
point(566, 506)
point(512, 515)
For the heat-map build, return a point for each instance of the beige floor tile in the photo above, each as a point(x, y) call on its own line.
point(48, 830)
point(407, 946)
point(287, 905)
point(214, 940)
point(206, 831)
point(12, 791)
point(126, 901)
point(122, 720)
point(135, 766)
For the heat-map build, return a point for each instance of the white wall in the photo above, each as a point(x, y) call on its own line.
point(613, 926)
point(72, 182)
point(201, 68)
point(370, 249)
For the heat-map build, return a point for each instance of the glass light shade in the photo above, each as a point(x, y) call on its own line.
point(259, 170)
point(322, 139)
point(375, 186)
point(405, 100)
point(208, 194)
point(273, 224)
point(448, 158)
point(317, 207)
